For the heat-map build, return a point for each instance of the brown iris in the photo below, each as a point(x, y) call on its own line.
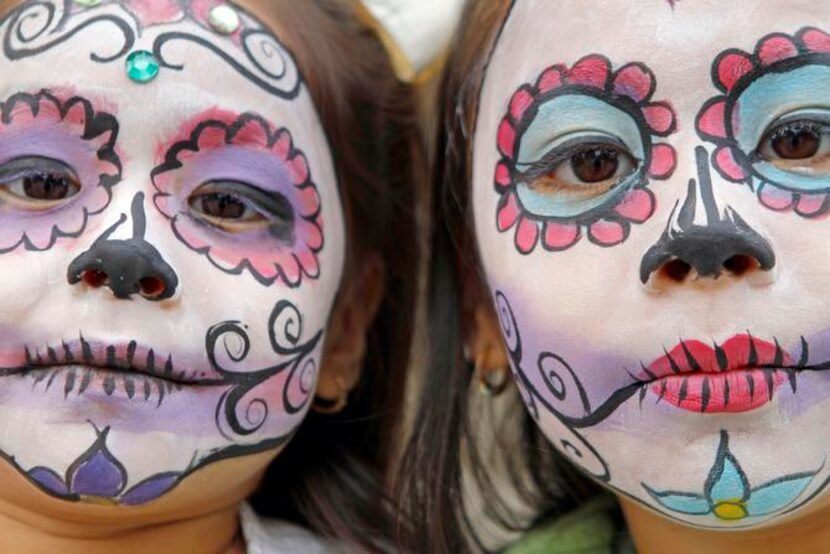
point(47, 186)
point(224, 206)
point(797, 143)
point(595, 165)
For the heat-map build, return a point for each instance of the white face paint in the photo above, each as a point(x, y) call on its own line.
point(171, 250)
point(656, 245)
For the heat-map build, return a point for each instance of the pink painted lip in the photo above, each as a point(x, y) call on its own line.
point(740, 375)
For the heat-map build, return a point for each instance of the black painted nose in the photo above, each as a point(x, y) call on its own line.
point(127, 267)
point(721, 242)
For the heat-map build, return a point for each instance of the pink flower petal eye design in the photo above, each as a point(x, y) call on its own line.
point(258, 161)
point(60, 141)
point(747, 79)
point(623, 96)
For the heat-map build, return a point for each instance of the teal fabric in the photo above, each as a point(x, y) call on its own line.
point(592, 529)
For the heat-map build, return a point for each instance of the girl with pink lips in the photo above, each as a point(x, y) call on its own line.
point(200, 303)
point(631, 204)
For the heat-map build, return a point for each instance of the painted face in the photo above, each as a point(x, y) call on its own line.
point(651, 185)
point(171, 247)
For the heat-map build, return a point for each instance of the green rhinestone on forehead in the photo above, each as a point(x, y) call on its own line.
point(87, 3)
point(142, 66)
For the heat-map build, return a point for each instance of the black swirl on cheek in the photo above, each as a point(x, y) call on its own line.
point(231, 341)
point(560, 381)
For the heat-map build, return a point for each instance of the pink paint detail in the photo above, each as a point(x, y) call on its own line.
point(810, 205)
point(591, 71)
point(298, 169)
point(711, 121)
point(503, 178)
point(527, 235)
point(663, 161)
point(509, 213)
point(659, 117)
point(816, 40)
point(607, 233)
point(268, 259)
point(550, 79)
point(282, 146)
point(775, 49)
point(187, 130)
point(724, 158)
point(634, 81)
point(731, 68)
point(252, 134)
point(560, 236)
point(637, 206)
point(521, 101)
point(741, 398)
point(775, 198)
point(309, 200)
point(507, 138)
point(154, 12)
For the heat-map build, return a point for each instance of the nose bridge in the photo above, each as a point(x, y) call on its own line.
point(706, 235)
point(126, 266)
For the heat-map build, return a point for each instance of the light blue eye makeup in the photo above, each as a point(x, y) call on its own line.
point(772, 96)
point(577, 155)
point(795, 153)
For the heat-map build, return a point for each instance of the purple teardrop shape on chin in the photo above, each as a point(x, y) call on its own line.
point(150, 489)
point(99, 475)
point(49, 480)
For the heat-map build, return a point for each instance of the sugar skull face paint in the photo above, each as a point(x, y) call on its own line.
point(171, 250)
point(699, 339)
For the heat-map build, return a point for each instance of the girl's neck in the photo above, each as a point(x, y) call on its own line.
point(24, 532)
point(655, 534)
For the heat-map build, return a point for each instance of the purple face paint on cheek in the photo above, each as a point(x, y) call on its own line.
point(69, 133)
point(248, 151)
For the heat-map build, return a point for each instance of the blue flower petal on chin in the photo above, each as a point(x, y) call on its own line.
point(685, 503)
point(727, 481)
point(777, 495)
point(727, 494)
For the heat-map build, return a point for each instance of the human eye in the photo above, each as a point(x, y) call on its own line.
point(582, 168)
point(800, 144)
point(237, 207)
point(37, 183)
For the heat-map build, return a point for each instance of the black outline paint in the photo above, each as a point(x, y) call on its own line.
point(36, 19)
point(708, 246)
point(191, 145)
point(641, 178)
point(731, 98)
point(96, 125)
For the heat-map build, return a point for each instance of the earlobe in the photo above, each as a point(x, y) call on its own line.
point(345, 346)
point(487, 352)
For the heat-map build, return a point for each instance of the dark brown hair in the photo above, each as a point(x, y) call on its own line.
point(445, 444)
point(330, 477)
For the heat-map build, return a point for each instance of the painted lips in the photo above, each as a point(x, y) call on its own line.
point(739, 375)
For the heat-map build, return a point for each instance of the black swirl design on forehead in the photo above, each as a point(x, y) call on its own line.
point(253, 51)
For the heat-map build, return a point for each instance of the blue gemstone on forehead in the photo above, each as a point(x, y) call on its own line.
point(142, 66)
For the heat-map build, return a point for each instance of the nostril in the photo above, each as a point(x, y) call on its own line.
point(95, 278)
point(152, 287)
point(676, 270)
point(740, 264)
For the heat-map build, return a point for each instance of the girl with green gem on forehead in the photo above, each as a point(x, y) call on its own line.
point(196, 327)
point(634, 198)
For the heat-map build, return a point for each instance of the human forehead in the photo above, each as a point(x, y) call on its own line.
point(252, 70)
point(677, 43)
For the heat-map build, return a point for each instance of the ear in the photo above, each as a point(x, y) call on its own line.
point(482, 333)
point(353, 313)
